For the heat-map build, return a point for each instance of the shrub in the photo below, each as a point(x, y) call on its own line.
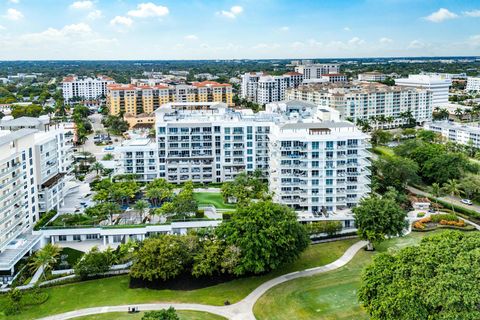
point(420, 214)
point(459, 223)
point(200, 214)
point(44, 219)
point(439, 217)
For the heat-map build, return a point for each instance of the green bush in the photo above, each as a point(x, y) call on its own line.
point(44, 219)
point(420, 214)
point(447, 216)
point(200, 213)
point(470, 214)
point(329, 227)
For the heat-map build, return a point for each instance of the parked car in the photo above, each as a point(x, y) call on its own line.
point(109, 148)
point(467, 201)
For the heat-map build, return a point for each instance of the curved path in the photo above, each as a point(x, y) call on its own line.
point(242, 310)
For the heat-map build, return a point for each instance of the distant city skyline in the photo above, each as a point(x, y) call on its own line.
point(243, 29)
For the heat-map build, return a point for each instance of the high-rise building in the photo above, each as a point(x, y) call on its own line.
point(437, 85)
point(85, 88)
point(262, 88)
point(366, 100)
point(316, 71)
point(18, 197)
point(301, 147)
point(137, 100)
point(473, 84)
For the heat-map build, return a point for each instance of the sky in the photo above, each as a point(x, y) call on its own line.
point(241, 29)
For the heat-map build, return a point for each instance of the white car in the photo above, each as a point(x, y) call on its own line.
point(466, 201)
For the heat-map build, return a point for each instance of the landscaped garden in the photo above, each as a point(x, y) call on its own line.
point(99, 292)
point(212, 199)
point(441, 220)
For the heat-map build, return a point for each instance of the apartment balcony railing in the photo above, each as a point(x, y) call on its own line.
point(10, 192)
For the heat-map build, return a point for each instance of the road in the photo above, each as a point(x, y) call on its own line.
point(97, 151)
point(450, 199)
point(242, 310)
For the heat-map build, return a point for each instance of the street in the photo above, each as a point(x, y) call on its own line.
point(89, 146)
point(450, 199)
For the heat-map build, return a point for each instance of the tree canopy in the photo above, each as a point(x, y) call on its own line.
point(438, 279)
point(377, 217)
point(267, 234)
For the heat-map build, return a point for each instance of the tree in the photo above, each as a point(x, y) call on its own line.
point(396, 172)
point(94, 262)
point(436, 191)
point(437, 279)
point(111, 209)
point(164, 314)
point(427, 135)
point(245, 187)
point(97, 166)
point(377, 217)
point(381, 137)
point(45, 258)
point(140, 206)
point(452, 188)
point(267, 235)
point(161, 258)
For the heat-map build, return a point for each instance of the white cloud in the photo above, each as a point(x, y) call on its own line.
point(191, 37)
point(285, 28)
point(385, 40)
point(121, 21)
point(298, 45)
point(356, 41)
point(441, 15)
point(263, 46)
point(147, 10)
point(474, 40)
point(473, 13)
point(13, 14)
point(347, 29)
point(14, 1)
point(314, 43)
point(95, 14)
point(232, 13)
point(52, 34)
point(82, 5)
point(2, 27)
point(417, 44)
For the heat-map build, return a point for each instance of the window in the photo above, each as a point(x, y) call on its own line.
point(76, 237)
point(62, 238)
point(315, 145)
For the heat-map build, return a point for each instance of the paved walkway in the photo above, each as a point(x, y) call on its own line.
point(455, 200)
point(242, 310)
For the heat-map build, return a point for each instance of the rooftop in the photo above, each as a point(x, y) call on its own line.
point(16, 135)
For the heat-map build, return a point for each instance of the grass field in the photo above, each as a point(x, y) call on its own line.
point(384, 151)
point(328, 296)
point(115, 291)
point(212, 198)
point(183, 314)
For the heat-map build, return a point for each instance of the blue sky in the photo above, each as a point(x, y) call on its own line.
point(208, 29)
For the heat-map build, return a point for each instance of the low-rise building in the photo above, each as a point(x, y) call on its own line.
point(373, 76)
point(455, 132)
point(473, 84)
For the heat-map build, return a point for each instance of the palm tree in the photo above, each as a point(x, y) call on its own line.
point(97, 166)
point(436, 191)
point(140, 207)
point(111, 208)
point(452, 187)
point(46, 258)
point(154, 195)
point(458, 113)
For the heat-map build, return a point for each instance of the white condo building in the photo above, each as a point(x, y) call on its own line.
point(473, 84)
point(263, 88)
point(18, 197)
point(372, 76)
point(364, 100)
point(458, 133)
point(316, 71)
point(300, 147)
point(85, 88)
point(437, 85)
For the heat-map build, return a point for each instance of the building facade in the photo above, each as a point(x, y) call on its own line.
point(299, 146)
point(366, 100)
point(437, 85)
point(458, 133)
point(85, 88)
point(372, 76)
point(137, 100)
point(316, 71)
point(18, 197)
point(263, 88)
point(473, 84)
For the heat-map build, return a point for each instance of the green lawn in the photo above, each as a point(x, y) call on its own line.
point(383, 150)
point(331, 295)
point(183, 314)
point(115, 291)
point(212, 198)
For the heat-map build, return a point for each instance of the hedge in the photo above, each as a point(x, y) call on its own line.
point(44, 219)
point(461, 211)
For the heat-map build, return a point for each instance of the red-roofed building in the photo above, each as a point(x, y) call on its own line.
point(85, 88)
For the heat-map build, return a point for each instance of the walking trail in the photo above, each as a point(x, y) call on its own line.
point(242, 310)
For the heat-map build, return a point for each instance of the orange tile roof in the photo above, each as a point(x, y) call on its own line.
point(210, 84)
point(293, 73)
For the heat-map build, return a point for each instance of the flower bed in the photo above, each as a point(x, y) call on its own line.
point(447, 220)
